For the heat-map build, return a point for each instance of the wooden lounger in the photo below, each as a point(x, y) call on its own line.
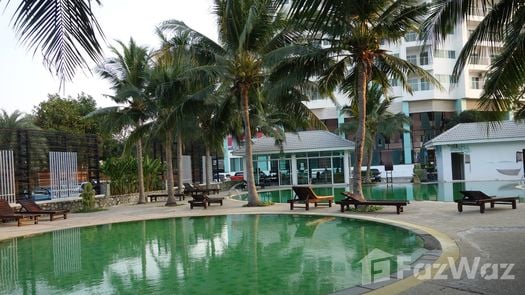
point(305, 194)
point(190, 189)
point(351, 199)
point(7, 213)
point(202, 200)
point(30, 206)
point(479, 198)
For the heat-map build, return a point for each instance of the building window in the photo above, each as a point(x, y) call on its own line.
point(423, 58)
point(394, 82)
point(414, 83)
point(425, 85)
point(410, 37)
point(439, 53)
point(412, 59)
point(476, 82)
point(444, 79)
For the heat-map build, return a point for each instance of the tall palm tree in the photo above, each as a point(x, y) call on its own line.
point(502, 28)
point(355, 30)
point(128, 72)
point(63, 30)
point(253, 40)
point(379, 120)
point(174, 84)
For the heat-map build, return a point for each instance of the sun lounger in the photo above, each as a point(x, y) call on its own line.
point(202, 200)
point(479, 198)
point(352, 199)
point(30, 206)
point(305, 194)
point(190, 189)
point(7, 213)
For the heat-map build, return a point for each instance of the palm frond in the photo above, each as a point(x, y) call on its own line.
point(63, 30)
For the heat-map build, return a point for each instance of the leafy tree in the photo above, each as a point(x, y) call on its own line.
point(355, 30)
point(379, 121)
point(251, 61)
point(66, 114)
point(128, 71)
point(502, 28)
point(63, 30)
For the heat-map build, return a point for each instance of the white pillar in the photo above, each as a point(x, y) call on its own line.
point(346, 167)
point(294, 169)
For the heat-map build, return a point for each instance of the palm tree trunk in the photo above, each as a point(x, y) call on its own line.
point(179, 162)
point(368, 163)
point(253, 196)
point(142, 198)
point(207, 164)
point(169, 161)
point(362, 75)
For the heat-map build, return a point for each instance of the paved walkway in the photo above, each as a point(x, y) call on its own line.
point(496, 237)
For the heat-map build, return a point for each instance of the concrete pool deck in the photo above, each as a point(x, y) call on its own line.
point(488, 242)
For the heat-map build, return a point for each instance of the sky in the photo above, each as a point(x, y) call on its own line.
point(25, 82)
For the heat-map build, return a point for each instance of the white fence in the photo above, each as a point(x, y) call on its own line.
point(7, 176)
point(63, 172)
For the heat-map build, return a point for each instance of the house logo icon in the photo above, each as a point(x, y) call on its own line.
point(375, 267)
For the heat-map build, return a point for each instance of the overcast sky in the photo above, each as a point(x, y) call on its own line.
point(24, 81)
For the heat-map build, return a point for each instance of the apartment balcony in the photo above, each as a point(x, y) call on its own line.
point(479, 63)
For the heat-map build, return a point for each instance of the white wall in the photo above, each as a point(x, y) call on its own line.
point(485, 158)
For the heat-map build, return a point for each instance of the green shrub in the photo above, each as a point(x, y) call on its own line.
point(123, 173)
point(88, 197)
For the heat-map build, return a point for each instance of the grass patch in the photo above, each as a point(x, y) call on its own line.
point(370, 208)
point(90, 210)
point(260, 204)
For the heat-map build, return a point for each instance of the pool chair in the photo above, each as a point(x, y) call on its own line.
point(190, 189)
point(7, 213)
point(305, 195)
point(479, 198)
point(351, 199)
point(30, 206)
point(202, 200)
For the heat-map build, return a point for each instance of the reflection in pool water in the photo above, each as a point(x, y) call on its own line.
point(408, 191)
point(237, 254)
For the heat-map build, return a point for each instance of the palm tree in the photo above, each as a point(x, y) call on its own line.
point(174, 84)
point(502, 27)
point(63, 30)
point(16, 120)
point(356, 30)
point(254, 40)
point(379, 120)
point(128, 72)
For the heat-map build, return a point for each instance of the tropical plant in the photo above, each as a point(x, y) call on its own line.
point(502, 28)
point(16, 120)
point(172, 84)
point(63, 30)
point(128, 71)
point(153, 170)
point(355, 30)
point(252, 63)
point(122, 172)
point(88, 197)
point(379, 121)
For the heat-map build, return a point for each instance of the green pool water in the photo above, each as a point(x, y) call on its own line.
point(447, 192)
point(233, 254)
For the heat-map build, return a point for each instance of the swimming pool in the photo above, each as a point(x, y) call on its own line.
point(446, 192)
point(232, 254)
